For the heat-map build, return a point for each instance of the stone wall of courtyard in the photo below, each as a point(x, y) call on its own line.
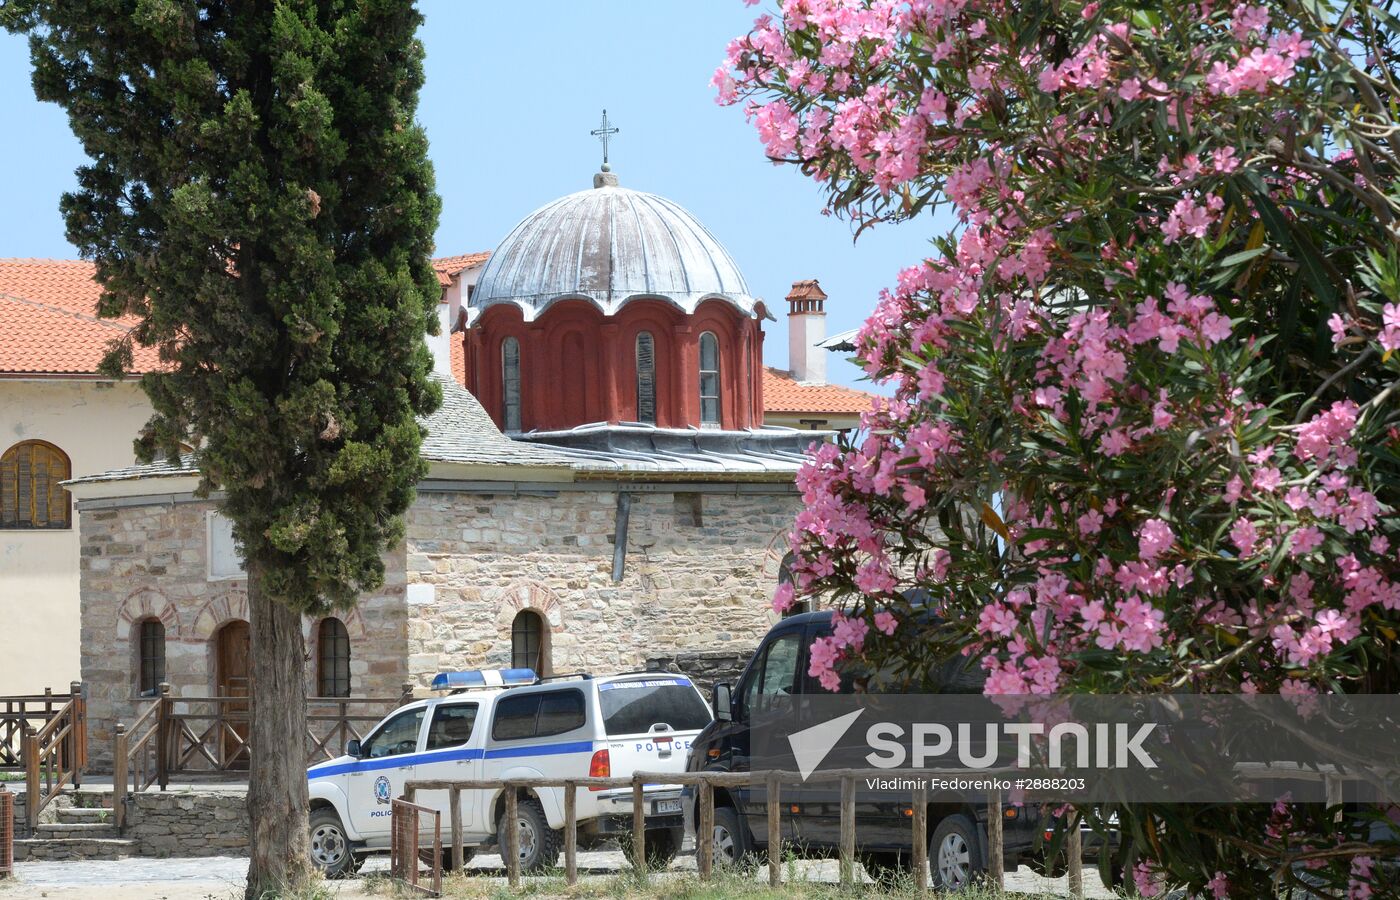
point(151, 561)
point(699, 576)
point(695, 593)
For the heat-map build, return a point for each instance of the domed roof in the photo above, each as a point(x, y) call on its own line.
point(609, 245)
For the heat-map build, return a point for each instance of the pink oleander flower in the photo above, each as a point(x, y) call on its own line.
point(997, 619)
point(1145, 880)
point(1244, 535)
point(784, 597)
point(1305, 540)
point(1154, 539)
point(1267, 479)
point(850, 632)
point(885, 622)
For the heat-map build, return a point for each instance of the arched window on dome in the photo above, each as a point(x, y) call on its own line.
point(646, 378)
point(709, 379)
point(510, 384)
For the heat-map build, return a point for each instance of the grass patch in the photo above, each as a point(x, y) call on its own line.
point(682, 886)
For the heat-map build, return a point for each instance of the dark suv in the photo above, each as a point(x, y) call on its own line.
point(811, 821)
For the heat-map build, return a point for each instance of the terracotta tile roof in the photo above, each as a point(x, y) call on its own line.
point(781, 394)
point(459, 359)
point(806, 290)
point(450, 266)
point(49, 323)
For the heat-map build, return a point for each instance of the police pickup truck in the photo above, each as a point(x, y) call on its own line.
point(502, 724)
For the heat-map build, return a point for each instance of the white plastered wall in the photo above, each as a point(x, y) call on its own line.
point(95, 424)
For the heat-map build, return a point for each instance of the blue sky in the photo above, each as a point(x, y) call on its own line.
point(508, 104)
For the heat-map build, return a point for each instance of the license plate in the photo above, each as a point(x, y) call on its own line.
point(667, 806)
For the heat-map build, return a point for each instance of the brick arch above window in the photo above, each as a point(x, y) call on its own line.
point(218, 612)
point(529, 595)
point(353, 620)
point(31, 493)
point(146, 604)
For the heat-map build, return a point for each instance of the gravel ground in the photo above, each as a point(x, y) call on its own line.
point(221, 877)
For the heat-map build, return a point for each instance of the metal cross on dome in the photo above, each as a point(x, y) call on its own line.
point(603, 133)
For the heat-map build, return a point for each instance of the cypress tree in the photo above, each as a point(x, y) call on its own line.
point(260, 200)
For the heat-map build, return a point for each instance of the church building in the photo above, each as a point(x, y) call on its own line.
point(603, 492)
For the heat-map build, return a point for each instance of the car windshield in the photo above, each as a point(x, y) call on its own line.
point(632, 707)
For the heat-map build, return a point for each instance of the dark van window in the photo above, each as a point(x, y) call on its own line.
point(452, 726)
point(776, 673)
point(537, 715)
point(559, 713)
point(632, 707)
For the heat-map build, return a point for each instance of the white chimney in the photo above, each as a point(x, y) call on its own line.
point(441, 343)
point(807, 329)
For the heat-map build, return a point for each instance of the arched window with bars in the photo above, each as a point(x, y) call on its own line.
point(527, 642)
point(510, 384)
point(709, 379)
point(332, 659)
point(31, 491)
point(646, 378)
point(150, 653)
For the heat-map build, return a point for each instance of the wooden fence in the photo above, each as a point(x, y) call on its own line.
point(207, 737)
point(55, 756)
point(24, 713)
point(1332, 778)
point(706, 783)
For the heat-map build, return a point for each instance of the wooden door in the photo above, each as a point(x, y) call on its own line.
point(234, 679)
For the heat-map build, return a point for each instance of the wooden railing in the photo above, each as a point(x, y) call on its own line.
point(55, 756)
point(21, 714)
point(207, 737)
point(137, 762)
point(706, 783)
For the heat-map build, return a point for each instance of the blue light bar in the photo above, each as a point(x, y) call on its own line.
point(483, 678)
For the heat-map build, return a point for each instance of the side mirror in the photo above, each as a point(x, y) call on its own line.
point(723, 696)
point(352, 748)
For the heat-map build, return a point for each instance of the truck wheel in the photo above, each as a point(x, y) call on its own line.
point(733, 847)
point(955, 854)
point(467, 853)
point(662, 846)
point(887, 866)
point(539, 844)
point(330, 848)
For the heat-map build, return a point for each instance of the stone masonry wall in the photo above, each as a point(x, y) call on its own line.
point(188, 824)
point(705, 668)
point(151, 561)
point(700, 574)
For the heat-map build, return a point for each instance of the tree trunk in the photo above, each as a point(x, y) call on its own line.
point(280, 862)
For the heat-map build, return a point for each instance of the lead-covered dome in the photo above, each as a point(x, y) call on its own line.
point(609, 245)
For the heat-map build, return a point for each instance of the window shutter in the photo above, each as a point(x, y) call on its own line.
point(646, 378)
